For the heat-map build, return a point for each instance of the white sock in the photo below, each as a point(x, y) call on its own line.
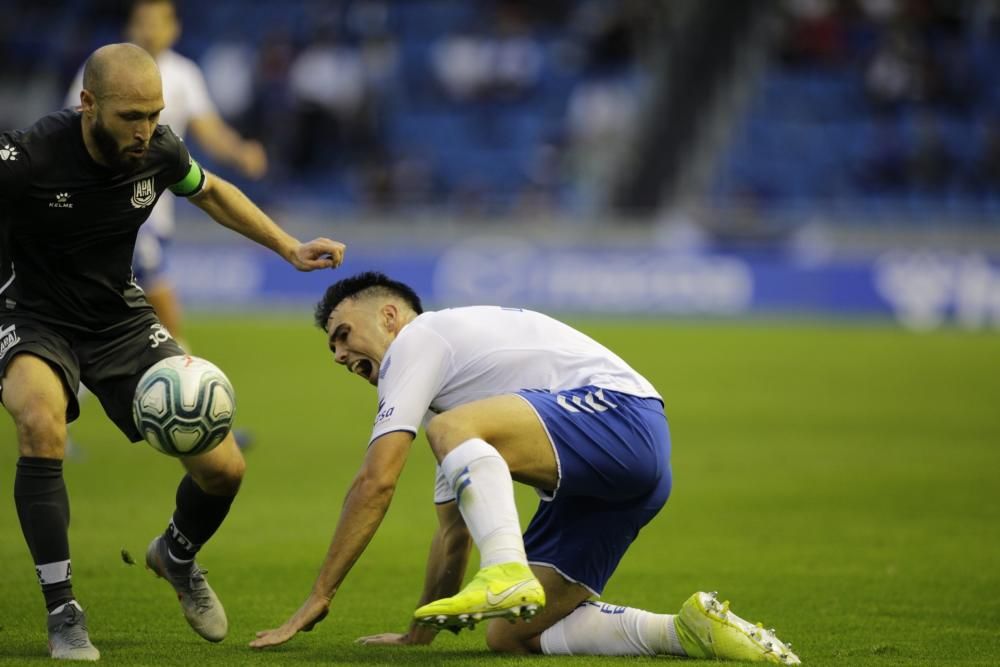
point(595, 628)
point(485, 493)
point(54, 573)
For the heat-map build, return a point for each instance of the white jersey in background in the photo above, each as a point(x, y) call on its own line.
point(185, 96)
point(446, 358)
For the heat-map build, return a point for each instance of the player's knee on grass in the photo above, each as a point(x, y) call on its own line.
point(505, 637)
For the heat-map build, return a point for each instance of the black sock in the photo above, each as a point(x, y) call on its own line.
point(43, 510)
point(197, 517)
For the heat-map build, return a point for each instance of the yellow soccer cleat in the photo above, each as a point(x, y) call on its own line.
point(508, 590)
point(707, 629)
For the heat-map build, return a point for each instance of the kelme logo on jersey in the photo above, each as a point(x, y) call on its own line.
point(62, 201)
point(143, 193)
point(8, 153)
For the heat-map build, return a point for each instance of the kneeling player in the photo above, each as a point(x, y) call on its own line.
point(509, 394)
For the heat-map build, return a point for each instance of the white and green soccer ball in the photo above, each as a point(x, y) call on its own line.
point(184, 406)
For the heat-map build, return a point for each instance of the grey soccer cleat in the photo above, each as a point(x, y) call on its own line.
point(68, 637)
point(201, 606)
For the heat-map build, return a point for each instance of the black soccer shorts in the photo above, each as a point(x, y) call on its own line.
point(109, 363)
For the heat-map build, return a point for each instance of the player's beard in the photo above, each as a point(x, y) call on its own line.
point(115, 157)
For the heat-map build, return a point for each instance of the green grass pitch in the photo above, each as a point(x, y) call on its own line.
point(838, 482)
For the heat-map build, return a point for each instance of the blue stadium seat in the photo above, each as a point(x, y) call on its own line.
point(809, 131)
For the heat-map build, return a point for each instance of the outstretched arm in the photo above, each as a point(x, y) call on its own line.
point(225, 145)
point(228, 206)
point(446, 565)
point(364, 508)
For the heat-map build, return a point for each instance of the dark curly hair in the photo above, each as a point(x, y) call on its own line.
point(369, 283)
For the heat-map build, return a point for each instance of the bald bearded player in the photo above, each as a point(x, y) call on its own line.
point(74, 189)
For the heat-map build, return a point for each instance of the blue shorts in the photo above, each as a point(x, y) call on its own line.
point(613, 453)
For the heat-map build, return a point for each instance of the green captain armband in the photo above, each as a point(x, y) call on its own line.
point(190, 184)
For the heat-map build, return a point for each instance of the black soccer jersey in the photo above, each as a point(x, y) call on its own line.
point(68, 224)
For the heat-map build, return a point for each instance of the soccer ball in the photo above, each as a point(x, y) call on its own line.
point(183, 406)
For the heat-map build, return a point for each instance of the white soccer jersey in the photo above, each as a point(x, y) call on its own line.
point(446, 358)
point(185, 96)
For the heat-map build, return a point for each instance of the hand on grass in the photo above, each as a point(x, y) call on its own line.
point(416, 636)
point(312, 611)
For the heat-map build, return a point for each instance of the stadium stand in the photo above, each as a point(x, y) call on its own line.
point(882, 111)
point(454, 105)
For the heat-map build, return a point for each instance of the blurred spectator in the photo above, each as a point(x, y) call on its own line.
point(892, 76)
point(504, 64)
point(880, 11)
point(601, 115)
point(602, 106)
point(369, 20)
point(516, 54)
point(462, 63)
point(330, 99)
point(229, 79)
point(906, 69)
